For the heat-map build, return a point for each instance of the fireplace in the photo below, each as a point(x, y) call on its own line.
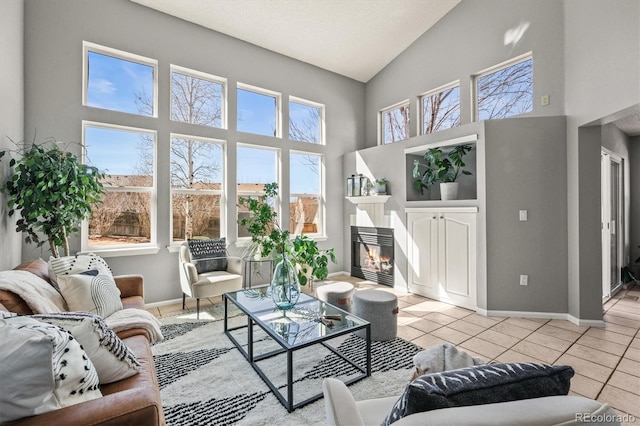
point(372, 254)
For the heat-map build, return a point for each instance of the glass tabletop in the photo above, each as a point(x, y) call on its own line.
point(309, 321)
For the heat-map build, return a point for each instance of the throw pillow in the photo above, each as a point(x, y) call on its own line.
point(42, 368)
point(208, 255)
point(98, 294)
point(484, 384)
point(111, 357)
point(71, 265)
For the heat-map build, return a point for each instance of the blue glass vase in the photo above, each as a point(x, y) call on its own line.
point(285, 288)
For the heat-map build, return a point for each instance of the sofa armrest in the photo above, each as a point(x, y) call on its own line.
point(130, 285)
point(191, 271)
point(234, 265)
point(130, 406)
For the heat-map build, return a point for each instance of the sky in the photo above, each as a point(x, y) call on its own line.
point(114, 84)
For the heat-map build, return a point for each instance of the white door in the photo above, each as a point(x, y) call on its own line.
point(612, 226)
point(442, 256)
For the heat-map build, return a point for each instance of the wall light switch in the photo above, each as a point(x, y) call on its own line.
point(523, 215)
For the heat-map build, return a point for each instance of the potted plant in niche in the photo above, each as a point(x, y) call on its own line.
point(442, 167)
point(53, 191)
point(381, 185)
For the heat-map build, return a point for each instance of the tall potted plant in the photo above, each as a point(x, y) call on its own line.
point(311, 262)
point(441, 167)
point(53, 192)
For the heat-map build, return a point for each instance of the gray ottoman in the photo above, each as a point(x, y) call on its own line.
point(380, 308)
point(336, 293)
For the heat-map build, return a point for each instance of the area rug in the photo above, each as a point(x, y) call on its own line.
point(205, 380)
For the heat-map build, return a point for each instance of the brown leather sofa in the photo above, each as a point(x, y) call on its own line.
point(132, 401)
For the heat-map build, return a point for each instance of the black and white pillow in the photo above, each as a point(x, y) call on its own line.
point(97, 294)
point(43, 368)
point(483, 384)
point(208, 255)
point(72, 265)
point(111, 357)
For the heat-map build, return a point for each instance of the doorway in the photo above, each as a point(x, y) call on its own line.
point(612, 226)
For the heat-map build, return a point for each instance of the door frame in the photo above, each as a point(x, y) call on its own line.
point(607, 222)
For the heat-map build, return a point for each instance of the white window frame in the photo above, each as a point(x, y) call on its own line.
point(221, 192)
point(243, 241)
point(118, 54)
point(321, 196)
point(405, 103)
point(322, 124)
point(269, 93)
point(453, 84)
point(506, 64)
point(202, 76)
point(126, 249)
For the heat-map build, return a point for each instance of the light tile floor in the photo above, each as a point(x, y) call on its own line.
point(606, 360)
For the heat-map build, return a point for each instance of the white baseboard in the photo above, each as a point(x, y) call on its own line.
point(543, 315)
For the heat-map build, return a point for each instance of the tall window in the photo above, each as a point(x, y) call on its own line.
point(258, 111)
point(197, 98)
point(505, 90)
point(305, 121)
point(126, 217)
point(394, 123)
point(256, 167)
point(197, 187)
point(119, 81)
point(441, 109)
point(306, 202)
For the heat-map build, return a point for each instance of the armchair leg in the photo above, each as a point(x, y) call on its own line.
point(183, 300)
point(197, 308)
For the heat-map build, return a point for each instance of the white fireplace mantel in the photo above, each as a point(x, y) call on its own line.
point(370, 210)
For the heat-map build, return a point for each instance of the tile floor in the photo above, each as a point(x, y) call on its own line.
point(606, 360)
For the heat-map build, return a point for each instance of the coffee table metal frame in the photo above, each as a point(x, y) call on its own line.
point(263, 309)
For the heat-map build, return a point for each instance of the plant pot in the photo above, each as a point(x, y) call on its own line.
point(381, 188)
point(285, 289)
point(449, 191)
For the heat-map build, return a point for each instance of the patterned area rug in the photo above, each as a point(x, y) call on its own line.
point(205, 380)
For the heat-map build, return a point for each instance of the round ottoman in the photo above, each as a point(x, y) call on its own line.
point(336, 293)
point(380, 308)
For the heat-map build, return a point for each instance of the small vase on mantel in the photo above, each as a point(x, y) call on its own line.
point(285, 288)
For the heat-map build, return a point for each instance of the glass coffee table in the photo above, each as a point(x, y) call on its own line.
point(310, 322)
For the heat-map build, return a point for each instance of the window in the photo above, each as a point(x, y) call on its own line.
point(306, 198)
point(197, 170)
point(305, 121)
point(505, 90)
point(440, 108)
point(394, 122)
point(258, 111)
point(257, 166)
point(197, 98)
point(119, 81)
point(126, 217)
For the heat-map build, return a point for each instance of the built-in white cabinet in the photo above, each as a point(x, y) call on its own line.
point(442, 254)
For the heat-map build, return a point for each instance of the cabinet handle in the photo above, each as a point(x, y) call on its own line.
point(442, 217)
point(435, 217)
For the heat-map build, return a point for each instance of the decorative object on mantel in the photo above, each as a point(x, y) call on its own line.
point(381, 186)
point(350, 185)
point(443, 168)
point(53, 191)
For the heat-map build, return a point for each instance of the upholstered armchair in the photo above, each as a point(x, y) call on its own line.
point(208, 283)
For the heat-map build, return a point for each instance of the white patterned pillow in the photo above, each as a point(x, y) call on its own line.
point(97, 294)
point(111, 357)
point(42, 369)
point(71, 265)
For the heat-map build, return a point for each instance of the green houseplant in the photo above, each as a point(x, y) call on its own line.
point(440, 166)
point(53, 191)
point(381, 185)
point(310, 260)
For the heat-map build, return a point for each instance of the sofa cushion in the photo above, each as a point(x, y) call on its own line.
point(43, 368)
point(208, 255)
point(111, 357)
point(71, 265)
point(98, 294)
point(484, 384)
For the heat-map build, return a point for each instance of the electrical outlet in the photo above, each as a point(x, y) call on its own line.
point(523, 215)
point(544, 100)
point(524, 279)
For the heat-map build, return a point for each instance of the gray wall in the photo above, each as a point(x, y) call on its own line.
point(634, 203)
point(602, 64)
point(54, 32)
point(11, 115)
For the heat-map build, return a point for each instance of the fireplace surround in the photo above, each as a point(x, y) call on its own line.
point(372, 254)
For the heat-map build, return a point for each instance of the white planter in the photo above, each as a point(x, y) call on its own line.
point(449, 191)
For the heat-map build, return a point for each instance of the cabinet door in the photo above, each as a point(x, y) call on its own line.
point(422, 253)
point(457, 260)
